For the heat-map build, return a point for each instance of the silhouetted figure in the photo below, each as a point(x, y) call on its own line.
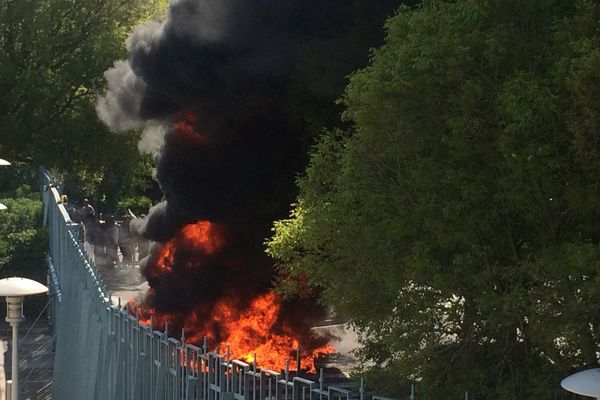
point(143, 245)
point(87, 211)
point(111, 240)
point(99, 240)
point(125, 240)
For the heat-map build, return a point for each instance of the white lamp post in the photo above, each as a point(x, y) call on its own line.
point(15, 289)
point(586, 383)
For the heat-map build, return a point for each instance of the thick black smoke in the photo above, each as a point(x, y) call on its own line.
point(228, 63)
point(209, 85)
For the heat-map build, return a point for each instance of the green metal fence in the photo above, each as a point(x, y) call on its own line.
point(103, 353)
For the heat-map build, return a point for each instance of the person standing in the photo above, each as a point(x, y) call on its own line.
point(143, 245)
point(125, 240)
point(111, 240)
point(87, 211)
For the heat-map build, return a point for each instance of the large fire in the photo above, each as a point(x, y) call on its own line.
point(230, 148)
point(253, 331)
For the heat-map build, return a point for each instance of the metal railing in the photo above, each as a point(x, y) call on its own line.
point(104, 353)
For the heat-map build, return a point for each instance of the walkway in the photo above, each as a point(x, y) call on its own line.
point(124, 282)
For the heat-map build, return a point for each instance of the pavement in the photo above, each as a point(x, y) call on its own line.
point(125, 282)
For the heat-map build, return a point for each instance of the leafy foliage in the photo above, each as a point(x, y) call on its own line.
point(339, 43)
point(456, 226)
point(23, 241)
point(137, 204)
point(53, 54)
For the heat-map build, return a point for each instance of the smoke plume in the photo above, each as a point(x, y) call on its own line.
point(208, 86)
point(226, 65)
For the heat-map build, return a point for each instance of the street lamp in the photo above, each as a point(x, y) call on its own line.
point(586, 383)
point(15, 289)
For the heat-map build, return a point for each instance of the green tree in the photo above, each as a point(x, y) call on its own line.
point(53, 54)
point(339, 43)
point(23, 241)
point(456, 225)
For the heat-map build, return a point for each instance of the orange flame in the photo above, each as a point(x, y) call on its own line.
point(253, 333)
point(185, 128)
point(201, 237)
